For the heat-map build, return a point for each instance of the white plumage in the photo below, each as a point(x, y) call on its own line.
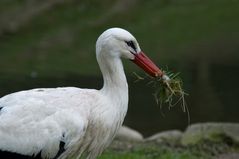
point(36, 121)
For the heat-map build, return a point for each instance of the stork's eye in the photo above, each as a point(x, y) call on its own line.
point(131, 44)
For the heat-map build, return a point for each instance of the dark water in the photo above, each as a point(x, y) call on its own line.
point(213, 97)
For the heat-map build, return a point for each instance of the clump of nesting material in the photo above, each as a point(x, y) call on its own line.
point(167, 89)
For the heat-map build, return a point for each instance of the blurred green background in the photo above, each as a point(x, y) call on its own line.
point(52, 44)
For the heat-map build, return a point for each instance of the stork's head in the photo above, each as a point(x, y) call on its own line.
point(117, 42)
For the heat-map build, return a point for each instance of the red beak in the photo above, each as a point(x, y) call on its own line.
point(147, 65)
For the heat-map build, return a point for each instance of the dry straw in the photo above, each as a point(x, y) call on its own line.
point(167, 90)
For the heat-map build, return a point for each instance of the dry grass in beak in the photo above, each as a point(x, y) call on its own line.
point(167, 90)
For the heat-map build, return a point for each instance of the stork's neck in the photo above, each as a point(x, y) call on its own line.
point(115, 83)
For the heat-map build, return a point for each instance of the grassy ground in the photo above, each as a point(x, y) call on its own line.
point(152, 154)
point(166, 151)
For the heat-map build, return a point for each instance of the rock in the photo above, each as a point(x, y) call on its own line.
point(212, 132)
point(171, 137)
point(127, 134)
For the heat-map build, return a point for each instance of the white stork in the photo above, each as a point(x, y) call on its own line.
point(70, 122)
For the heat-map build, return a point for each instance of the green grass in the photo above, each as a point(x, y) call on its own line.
point(122, 156)
point(136, 155)
point(204, 150)
point(155, 153)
